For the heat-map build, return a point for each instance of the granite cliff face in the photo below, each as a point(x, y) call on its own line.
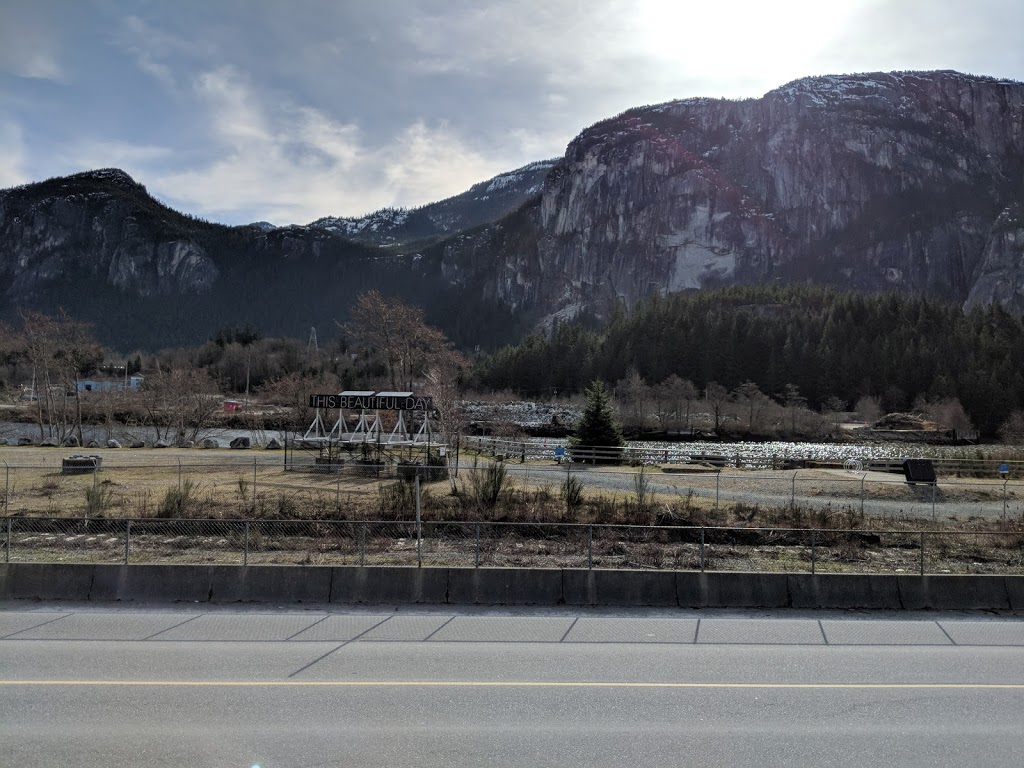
point(1001, 276)
point(904, 181)
point(869, 182)
point(93, 224)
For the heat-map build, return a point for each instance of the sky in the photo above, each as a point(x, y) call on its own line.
point(289, 110)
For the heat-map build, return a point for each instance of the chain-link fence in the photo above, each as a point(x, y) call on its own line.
point(836, 494)
point(516, 545)
point(263, 487)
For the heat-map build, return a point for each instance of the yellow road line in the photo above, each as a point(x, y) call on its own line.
point(506, 684)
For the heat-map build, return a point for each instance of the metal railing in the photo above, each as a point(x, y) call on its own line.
point(521, 545)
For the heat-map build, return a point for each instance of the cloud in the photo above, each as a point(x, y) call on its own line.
point(258, 109)
point(289, 163)
point(12, 155)
point(431, 163)
point(28, 43)
point(153, 48)
point(135, 159)
point(930, 34)
point(553, 68)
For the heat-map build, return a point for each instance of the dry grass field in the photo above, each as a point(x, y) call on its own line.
point(227, 506)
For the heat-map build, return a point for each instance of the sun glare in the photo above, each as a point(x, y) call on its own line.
point(749, 40)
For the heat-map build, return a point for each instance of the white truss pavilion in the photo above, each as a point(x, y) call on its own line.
point(368, 427)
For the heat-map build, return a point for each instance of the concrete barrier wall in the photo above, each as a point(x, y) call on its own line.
point(503, 586)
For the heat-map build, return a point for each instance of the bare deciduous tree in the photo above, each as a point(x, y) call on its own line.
point(292, 392)
point(753, 401)
point(632, 394)
point(796, 405)
point(398, 332)
point(674, 398)
point(869, 409)
point(946, 413)
point(59, 350)
point(444, 384)
point(834, 406)
point(180, 403)
point(1012, 430)
point(717, 397)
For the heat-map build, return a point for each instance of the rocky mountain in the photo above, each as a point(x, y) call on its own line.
point(482, 203)
point(97, 245)
point(903, 181)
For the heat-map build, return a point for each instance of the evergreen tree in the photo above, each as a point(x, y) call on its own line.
point(827, 344)
point(597, 426)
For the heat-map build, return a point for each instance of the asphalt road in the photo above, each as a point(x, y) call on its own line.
point(215, 687)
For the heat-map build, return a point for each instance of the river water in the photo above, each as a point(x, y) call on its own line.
point(11, 431)
point(541, 447)
point(544, 447)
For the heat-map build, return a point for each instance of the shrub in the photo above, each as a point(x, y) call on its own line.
point(177, 502)
point(398, 497)
point(572, 494)
point(97, 500)
point(489, 485)
point(642, 488)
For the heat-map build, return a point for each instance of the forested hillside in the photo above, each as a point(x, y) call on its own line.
point(826, 343)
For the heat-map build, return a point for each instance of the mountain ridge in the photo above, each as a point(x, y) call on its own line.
point(906, 181)
point(482, 203)
point(822, 179)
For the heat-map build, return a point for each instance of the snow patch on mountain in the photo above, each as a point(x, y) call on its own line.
point(482, 203)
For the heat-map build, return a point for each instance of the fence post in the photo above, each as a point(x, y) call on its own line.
point(862, 479)
point(590, 547)
point(814, 552)
point(792, 494)
point(419, 526)
point(7, 490)
point(254, 484)
point(568, 474)
point(245, 556)
point(127, 540)
point(337, 491)
point(935, 485)
point(922, 553)
point(1004, 497)
point(362, 546)
point(179, 475)
point(702, 549)
point(476, 559)
point(718, 478)
point(7, 546)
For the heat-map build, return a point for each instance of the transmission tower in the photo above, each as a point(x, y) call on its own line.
point(312, 345)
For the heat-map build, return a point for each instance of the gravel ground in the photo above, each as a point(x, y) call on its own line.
point(875, 493)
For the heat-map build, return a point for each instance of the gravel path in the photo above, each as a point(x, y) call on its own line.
point(884, 495)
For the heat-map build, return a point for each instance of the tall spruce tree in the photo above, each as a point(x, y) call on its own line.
point(597, 426)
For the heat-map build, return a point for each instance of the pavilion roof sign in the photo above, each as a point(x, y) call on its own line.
point(369, 400)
